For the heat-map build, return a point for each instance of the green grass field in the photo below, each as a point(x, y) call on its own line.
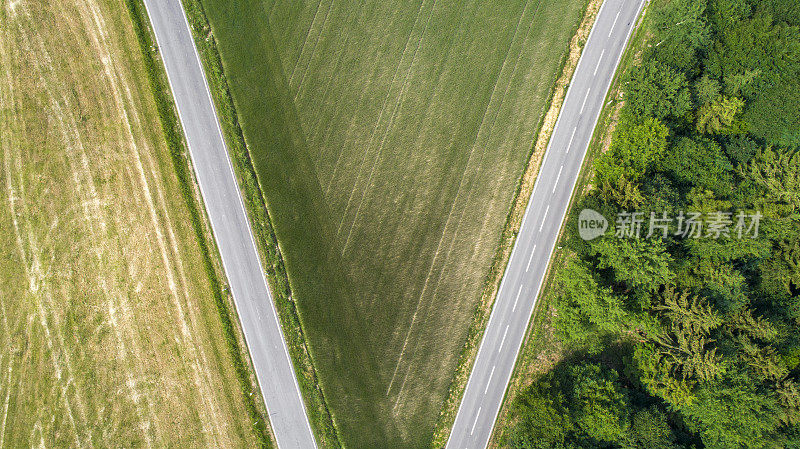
point(389, 138)
point(109, 331)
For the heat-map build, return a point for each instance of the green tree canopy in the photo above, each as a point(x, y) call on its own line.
point(718, 116)
point(680, 30)
point(734, 413)
point(700, 162)
point(637, 144)
point(599, 406)
point(657, 90)
point(587, 308)
point(755, 46)
point(640, 264)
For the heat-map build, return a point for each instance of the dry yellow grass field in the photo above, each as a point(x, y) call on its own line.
point(109, 335)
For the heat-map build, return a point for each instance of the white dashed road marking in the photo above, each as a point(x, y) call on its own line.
point(477, 415)
point(588, 91)
point(490, 380)
point(528, 267)
point(557, 178)
point(503, 340)
point(544, 217)
point(569, 145)
point(613, 25)
point(599, 60)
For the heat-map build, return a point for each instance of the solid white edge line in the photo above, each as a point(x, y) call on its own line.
point(241, 205)
point(525, 215)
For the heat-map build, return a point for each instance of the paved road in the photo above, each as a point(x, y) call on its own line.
point(230, 226)
point(543, 217)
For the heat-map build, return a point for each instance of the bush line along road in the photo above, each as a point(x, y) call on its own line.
point(273, 367)
point(540, 227)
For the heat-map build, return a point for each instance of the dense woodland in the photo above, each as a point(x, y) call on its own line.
point(687, 341)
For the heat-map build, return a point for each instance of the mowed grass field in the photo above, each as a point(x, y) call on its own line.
point(109, 335)
point(389, 138)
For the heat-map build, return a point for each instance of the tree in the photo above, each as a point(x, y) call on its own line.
point(580, 405)
point(660, 194)
point(763, 360)
point(782, 10)
point(674, 359)
point(599, 406)
point(777, 173)
point(734, 412)
point(770, 53)
point(780, 272)
point(650, 430)
point(638, 264)
point(657, 90)
point(699, 162)
point(718, 116)
point(691, 313)
point(680, 30)
point(636, 145)
point(715, 278)
point(622, 191)
point(788, 395)
point(708, 89)
point(741, 149)
point(656, 374)
point(541, 417)
point(773, 115)
point(737, 83)
point(724, 14)
point(756, 327)
point(759, 60)
point(584, 308)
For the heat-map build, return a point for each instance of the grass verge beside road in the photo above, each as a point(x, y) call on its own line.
point(269, 250)
point(180, 162)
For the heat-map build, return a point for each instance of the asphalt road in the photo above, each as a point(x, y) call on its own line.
point(545, 212)
point(230, 226)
